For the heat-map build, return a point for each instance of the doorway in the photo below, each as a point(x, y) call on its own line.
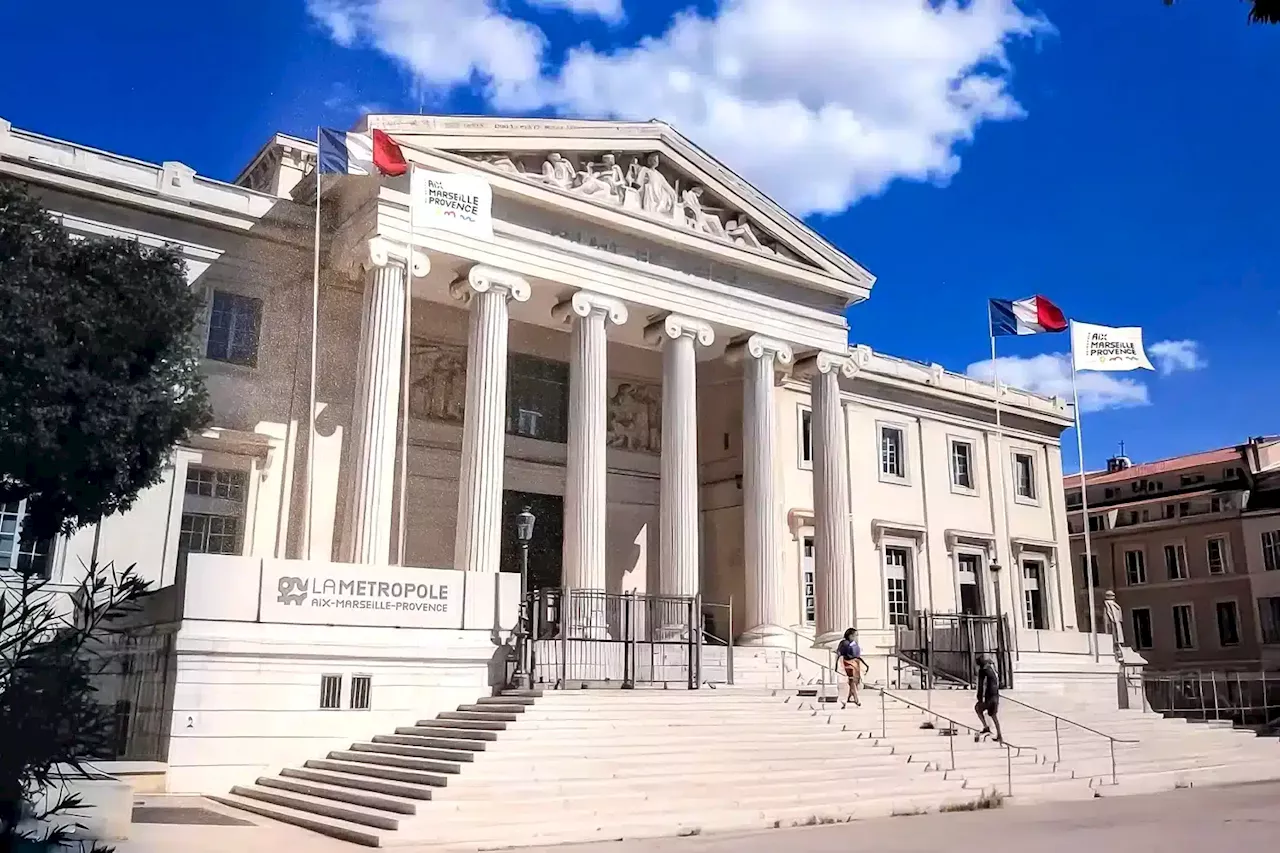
point(546, 560)
point(970, 592)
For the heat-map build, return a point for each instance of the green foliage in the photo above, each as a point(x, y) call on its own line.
point(50, 719)
point(99, 372)
point(1260, 11)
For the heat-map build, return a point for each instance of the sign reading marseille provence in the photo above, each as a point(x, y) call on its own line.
point(316, 593)
point(462, 204)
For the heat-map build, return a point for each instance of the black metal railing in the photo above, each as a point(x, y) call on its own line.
point(947, 646)
point(580, 638)
point(1249, 699)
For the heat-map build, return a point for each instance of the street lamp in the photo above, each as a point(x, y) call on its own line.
point(995, 568)
point(524, 532)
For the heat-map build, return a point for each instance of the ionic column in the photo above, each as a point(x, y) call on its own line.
point(584, 497)
point(761, 508)
point(833, 556)
point(367, 532)
point(678, 513)
point(478, 541)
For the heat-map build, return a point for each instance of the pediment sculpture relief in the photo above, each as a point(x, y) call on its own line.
point(437, 381)
point(635, 417)
point(647, 187)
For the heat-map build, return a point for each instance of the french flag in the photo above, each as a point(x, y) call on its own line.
point(1032, 316)
point(346, 153)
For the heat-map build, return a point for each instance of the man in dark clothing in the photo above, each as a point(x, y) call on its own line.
point(988, 698)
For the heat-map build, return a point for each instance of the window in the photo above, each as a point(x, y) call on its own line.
point(1141, 619)
point(1033, 595)
point(1024, 467)
point(806, 438)
point(1074, 501)
point(537, 398)
point(1269, 617)
point(1184, 508)
point(810, 595)
point(895, 579)
point(1228, 623)
point(1175, 561)
point(1135, 567)
point(1192, 479)
point(1146, 515)
point(893, 462)
point(1097, 523)
point(212, 512)
point(1170, 510)
point(1184, 635)
point(1271, 550)
point(330, 692)
point(962, 465)
point(1108, 494)
point(1219, 559)
point(967, 575)
point(234, 323)
point(361, 688)
point(1133, 516)
point(18, 551)
point(1215, 505)
point(1093, 575)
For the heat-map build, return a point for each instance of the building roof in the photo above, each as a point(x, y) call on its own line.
point(1162, 466)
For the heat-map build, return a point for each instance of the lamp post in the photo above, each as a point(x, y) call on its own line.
point(524, 532)
point(995, 568)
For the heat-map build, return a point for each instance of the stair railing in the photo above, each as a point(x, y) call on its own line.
point(1057, 736)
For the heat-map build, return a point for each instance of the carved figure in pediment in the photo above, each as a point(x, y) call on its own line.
point(603, 179)
point(503, 163)
point(657, 196)
point(437, 381)
point(739, 231)
point(558, 172)
point(700, 218)
point(635, 418)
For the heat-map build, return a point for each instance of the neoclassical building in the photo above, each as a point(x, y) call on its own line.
point(649, 354)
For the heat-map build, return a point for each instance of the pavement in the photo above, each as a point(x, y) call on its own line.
point(1240, 817)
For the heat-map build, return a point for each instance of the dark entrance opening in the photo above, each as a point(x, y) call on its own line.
point(545, 556)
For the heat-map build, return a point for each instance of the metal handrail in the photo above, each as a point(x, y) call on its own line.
point(1057, 735)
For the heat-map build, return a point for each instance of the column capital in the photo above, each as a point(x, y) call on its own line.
point(483, 278)
point(585, 303)
point(822, 363)
point(674, 326)
point(759, 346)
point(382, 252)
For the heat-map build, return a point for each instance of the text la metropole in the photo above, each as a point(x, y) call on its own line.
point(364, 594)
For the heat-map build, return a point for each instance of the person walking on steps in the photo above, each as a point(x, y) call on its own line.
point(849, 653)
point(988, 698)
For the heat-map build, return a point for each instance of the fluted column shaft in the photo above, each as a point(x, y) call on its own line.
point(761, 508)
point(833, 557)
point(478, 540)
point(678, 572)
point(367, 533)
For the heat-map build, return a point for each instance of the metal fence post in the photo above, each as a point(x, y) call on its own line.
point(1213, 680)
point(728, 641)
point(1266, 709)
point(951, 743)
point(565, 619)
point(884, 726)
point(1057, 739)
point(1114, 780)
point(695, 640)
point(1008, 763)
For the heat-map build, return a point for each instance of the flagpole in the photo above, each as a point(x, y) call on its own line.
point(1004, 497)
point(311, 385)
point(404, 378)
point(1084, 506)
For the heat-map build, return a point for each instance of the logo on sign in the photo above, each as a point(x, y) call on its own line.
point(292, 591)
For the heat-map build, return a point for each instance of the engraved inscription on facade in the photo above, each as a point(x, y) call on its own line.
point(635, 417)
point(437, 381)
point(646, 186)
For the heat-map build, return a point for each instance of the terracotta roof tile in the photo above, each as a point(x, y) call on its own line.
point(1163, 466)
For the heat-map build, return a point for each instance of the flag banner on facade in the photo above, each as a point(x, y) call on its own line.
point(1032, 316)
point(345, 153)
point(1107, 348)
point(462, 204)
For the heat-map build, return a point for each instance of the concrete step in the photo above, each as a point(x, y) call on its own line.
point(503, 776)
point(340, 829)
point(428, 762)
point(450, 720)
point(440, 739)
point(478, 717)
point(373, 818)
point(460, 756)
point(407, 790)
point(404, 762)
point(507, 699)
point(341, 793)
point(360, 767)
point(494, 707)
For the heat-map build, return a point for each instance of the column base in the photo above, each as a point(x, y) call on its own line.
point(767, 635)
point(829, 640)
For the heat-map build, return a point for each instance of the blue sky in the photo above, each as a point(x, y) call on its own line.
point(1104, 159)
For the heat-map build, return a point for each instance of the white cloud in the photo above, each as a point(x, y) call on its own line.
point(1050, 375)
point(1173, 356)
point(608, 10)
point(819, 102)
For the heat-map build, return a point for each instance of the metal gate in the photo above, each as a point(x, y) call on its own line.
point(582, 638)
point(949, 644)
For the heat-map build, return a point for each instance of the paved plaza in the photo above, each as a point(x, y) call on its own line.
point(1242, 817)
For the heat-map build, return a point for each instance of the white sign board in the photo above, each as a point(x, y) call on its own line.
point(316, 593)
point(462, 204)
point(1107, 348)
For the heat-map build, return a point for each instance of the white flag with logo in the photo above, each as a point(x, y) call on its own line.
point(462, 204)
point(1107, 348)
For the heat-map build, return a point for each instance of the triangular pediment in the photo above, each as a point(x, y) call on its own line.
point(641, 169)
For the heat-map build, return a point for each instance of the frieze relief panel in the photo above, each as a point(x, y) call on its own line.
point(646, 187)
point(437, 381)
point(635, 417)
